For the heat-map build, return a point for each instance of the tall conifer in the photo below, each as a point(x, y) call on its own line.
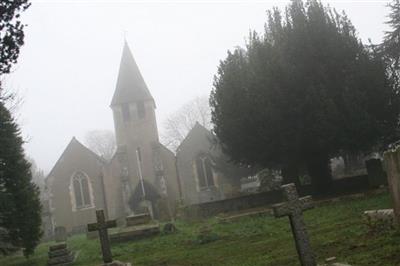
point(19, 204)
point(19, 197)
point(304, 91)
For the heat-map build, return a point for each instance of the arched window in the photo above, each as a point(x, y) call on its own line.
point(80, 184)
point(204, 172)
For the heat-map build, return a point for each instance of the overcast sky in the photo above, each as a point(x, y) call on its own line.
point(68, 67)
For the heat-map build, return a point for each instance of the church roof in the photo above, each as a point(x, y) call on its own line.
point(195, 132)
point(73, 147)
point(130, 84)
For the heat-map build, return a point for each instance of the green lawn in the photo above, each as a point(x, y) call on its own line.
point(336, 229)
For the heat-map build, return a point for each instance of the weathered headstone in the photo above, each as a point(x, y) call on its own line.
point(138, 219)
point(294, 208)
point(101, 226)
point(59, 254)
point(135, 233)
point(60, 234)
point(169, 228)
point(376, 175)
point(392, 162)
point(379, 219)
point(135, 227)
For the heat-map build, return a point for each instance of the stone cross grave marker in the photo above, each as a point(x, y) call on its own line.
point(102, 225)
point(294, 208)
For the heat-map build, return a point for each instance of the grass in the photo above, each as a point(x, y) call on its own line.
point(335, 229)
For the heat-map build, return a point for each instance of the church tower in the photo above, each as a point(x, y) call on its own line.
point(135, 124)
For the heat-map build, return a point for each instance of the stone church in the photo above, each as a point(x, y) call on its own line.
point(142, 176)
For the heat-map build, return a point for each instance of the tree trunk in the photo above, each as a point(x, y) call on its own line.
point(320, 172)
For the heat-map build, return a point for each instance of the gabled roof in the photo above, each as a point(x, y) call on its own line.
point(197, 129)
point(130, 84)
point(74, 143)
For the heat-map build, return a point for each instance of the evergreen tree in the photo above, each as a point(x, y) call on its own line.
point(304, 91)
point(19, 198)
point(391, 44)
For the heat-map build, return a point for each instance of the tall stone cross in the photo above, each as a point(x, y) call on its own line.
point(294, 208)
point(102, 225)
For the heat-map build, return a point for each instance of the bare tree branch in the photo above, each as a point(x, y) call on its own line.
point(179, 123)
point(102, 142)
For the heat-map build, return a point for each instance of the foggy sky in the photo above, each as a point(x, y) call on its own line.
point(67, 70)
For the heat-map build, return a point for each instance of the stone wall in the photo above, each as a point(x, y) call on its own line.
point(350, 185)
point(345, 186)
point(213, 208)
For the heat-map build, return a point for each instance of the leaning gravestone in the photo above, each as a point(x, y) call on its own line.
point(294, 208)
point(60, 234)
point(59, 255)
point(102, 227)
point(392, 162)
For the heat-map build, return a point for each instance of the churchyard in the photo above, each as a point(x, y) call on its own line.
point(336, 228)
point(294, 158)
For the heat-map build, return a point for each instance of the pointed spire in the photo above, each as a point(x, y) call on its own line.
point(130, 84)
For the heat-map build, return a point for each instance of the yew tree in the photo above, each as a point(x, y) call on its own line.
point(301, 92)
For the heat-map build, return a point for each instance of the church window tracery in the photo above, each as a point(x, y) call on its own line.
point(204, 172)
point(81, 190)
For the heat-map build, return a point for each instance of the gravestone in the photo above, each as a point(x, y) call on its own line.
point(138, 219)
point(376, 175)
point(133, 233)
point(101, 226)
point(392, 162)
point(135, 227)
point(60, 234)
point(378, 220)
point(59, 255)
point(169, 228)
point(294, 208)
